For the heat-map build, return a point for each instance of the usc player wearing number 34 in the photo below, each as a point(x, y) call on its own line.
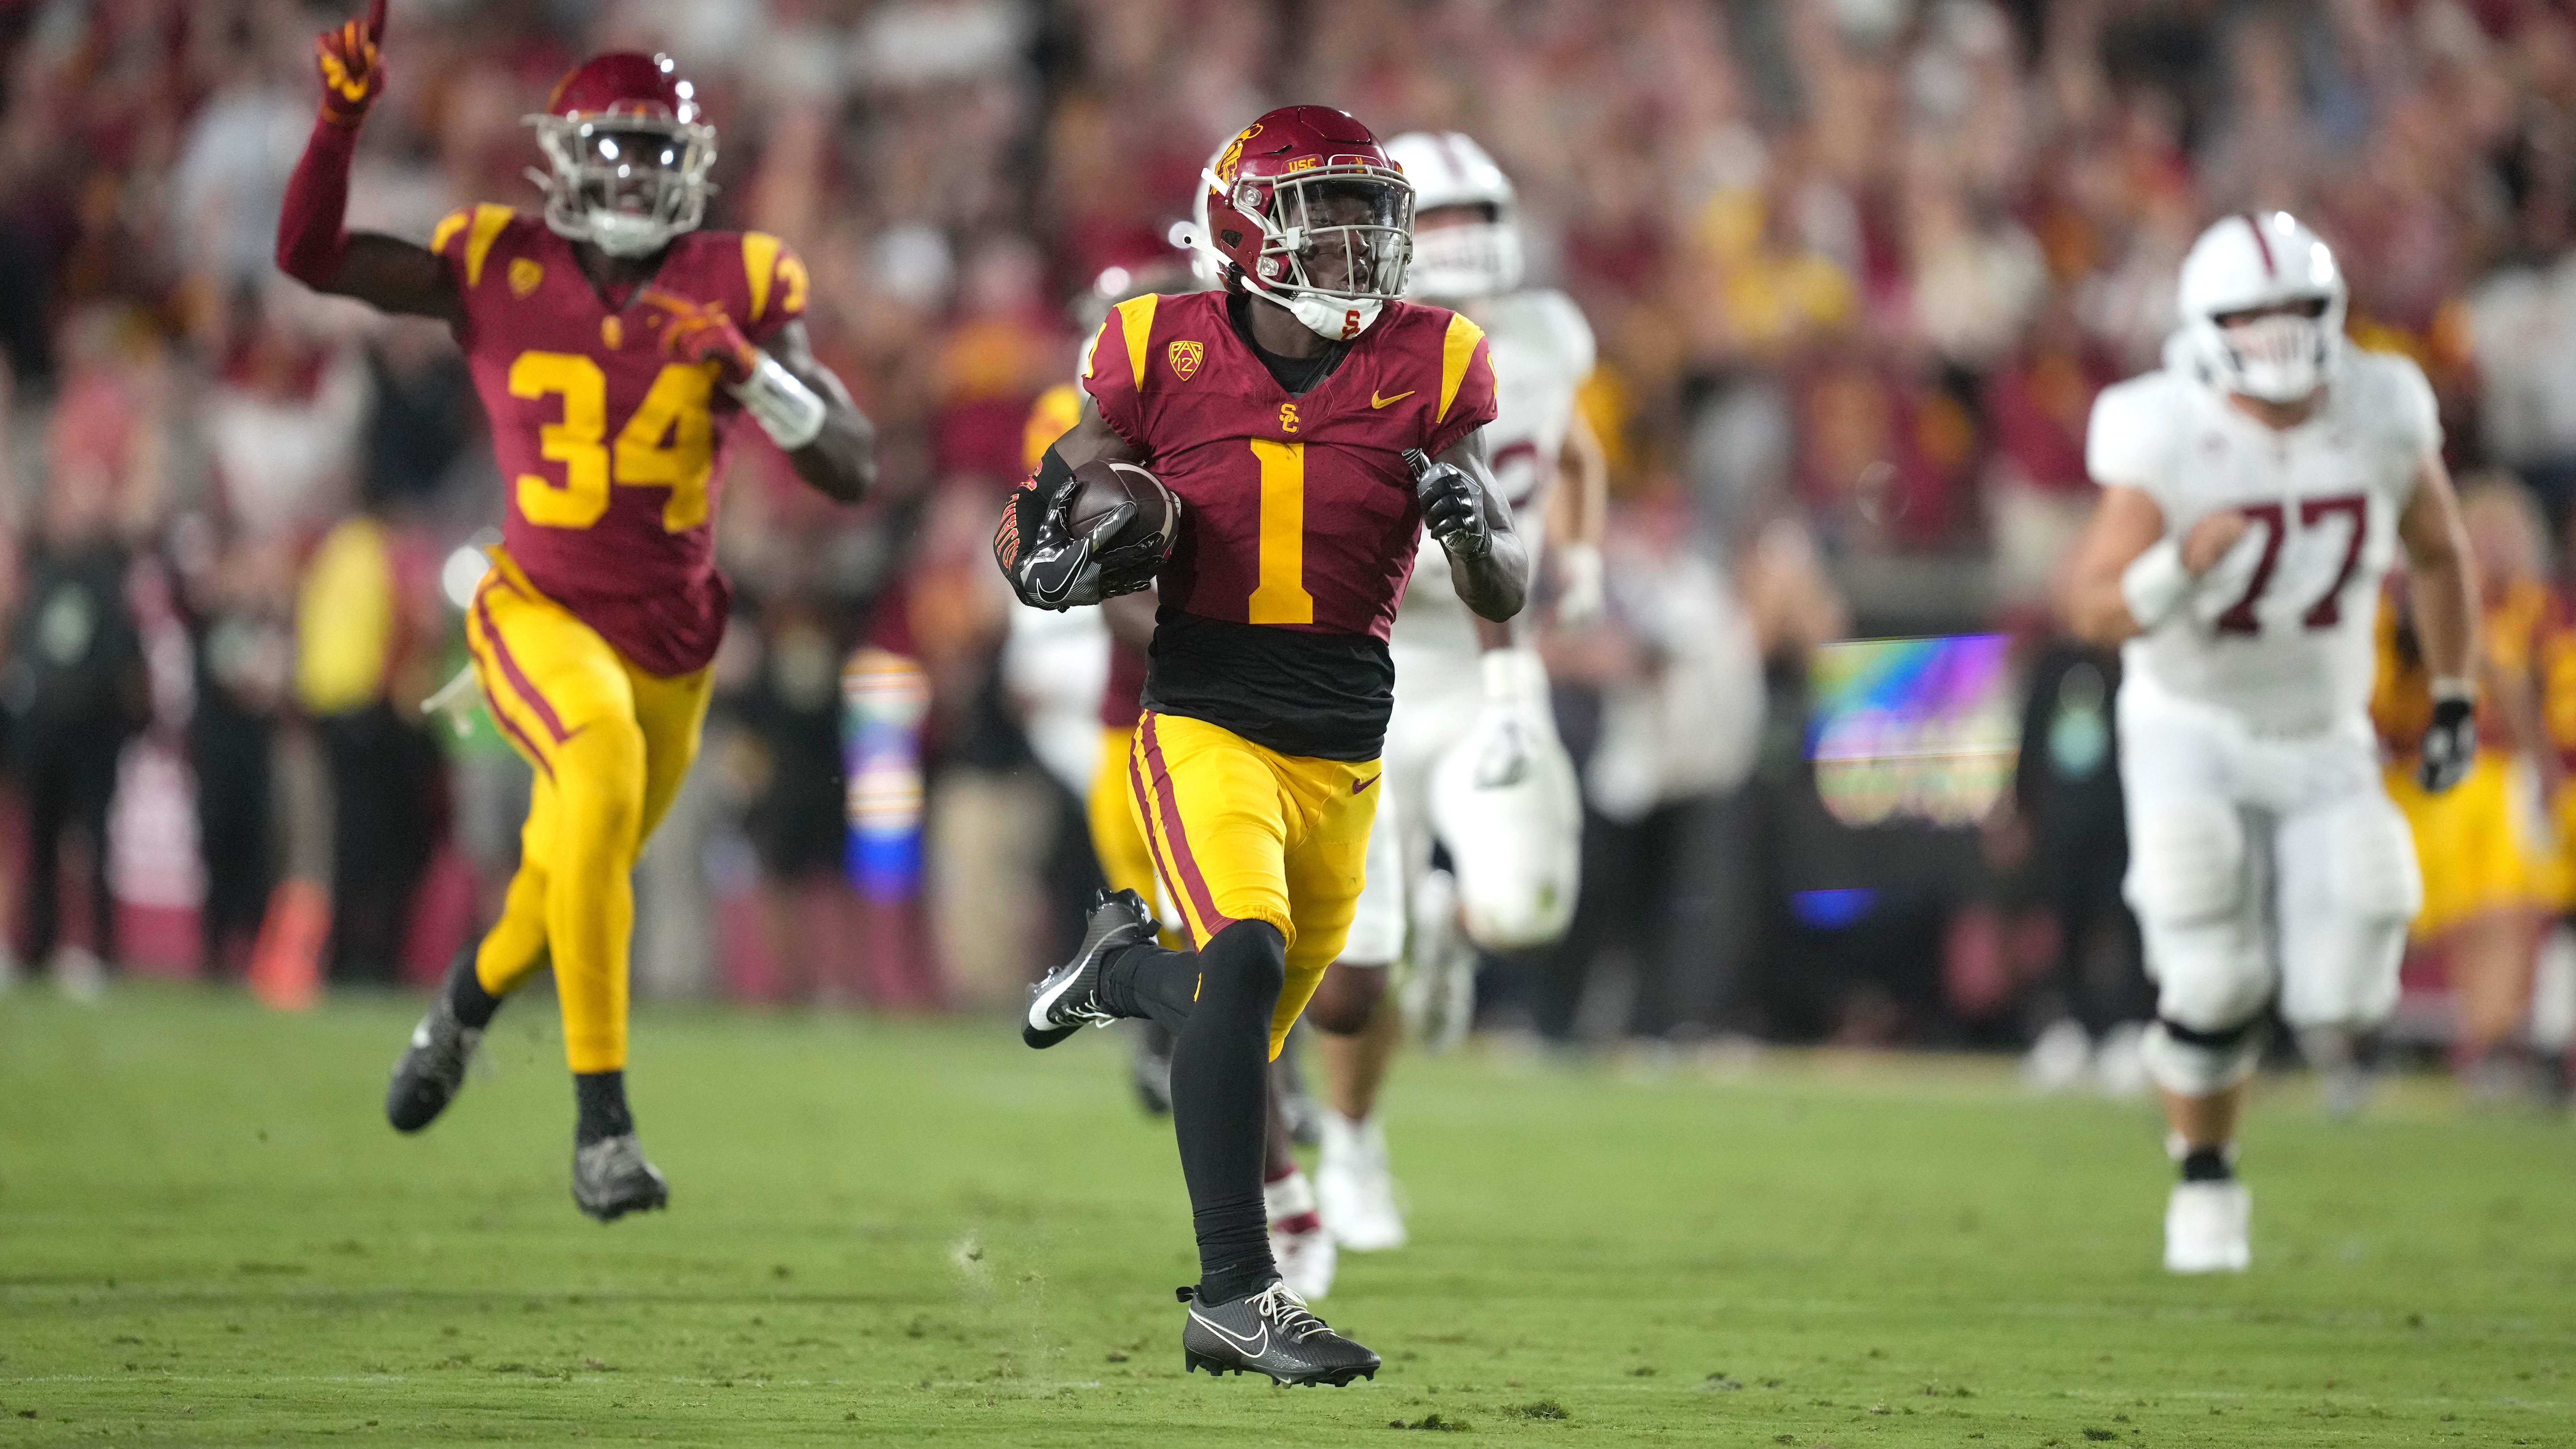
point(615, 347)
point(1313, 426)
point(2255, 493)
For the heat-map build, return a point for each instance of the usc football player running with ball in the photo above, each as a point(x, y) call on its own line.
point(614, 346)
point(1312, 426)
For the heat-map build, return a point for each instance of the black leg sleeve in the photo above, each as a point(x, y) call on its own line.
point(1220, 1071)
point(1159, 985)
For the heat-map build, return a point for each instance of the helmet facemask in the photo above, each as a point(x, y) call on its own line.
point(2280, 353)
point(1336, 241)
point(627, 184)
point(1466, 259)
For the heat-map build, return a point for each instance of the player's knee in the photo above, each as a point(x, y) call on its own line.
point(2192, 1063)
point(2212, 986)
point(2209, 980)
point(1347, 999)
point(1251, 955)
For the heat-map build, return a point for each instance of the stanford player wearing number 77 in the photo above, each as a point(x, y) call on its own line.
point(2255, 492)
point(615, 347)
point(1313, 427)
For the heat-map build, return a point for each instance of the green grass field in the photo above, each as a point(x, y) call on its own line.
point(924, 1233)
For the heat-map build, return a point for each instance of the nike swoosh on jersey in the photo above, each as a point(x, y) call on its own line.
point(1378, 402)
point(1252, 1347)
point(1360, 785)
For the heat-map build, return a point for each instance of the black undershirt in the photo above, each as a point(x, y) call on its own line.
point(1297, 376)
point(1324, 696)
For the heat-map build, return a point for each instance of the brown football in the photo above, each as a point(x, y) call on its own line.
point(1104, 485)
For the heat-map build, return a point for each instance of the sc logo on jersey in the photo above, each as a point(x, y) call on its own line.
point(1288, 417)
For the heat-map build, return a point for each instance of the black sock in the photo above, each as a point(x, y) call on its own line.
point(2208, 1164)
point(465, 994)
point(1220, 1075)
point(602, 1097)
point(1149, 981)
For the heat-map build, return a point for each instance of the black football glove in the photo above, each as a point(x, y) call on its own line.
point(2450, 744)
point(1050, 566)
point(1453, 507)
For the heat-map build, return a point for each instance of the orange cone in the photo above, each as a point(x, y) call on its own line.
point(286, 963)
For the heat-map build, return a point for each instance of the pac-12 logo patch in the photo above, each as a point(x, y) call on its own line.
point(1185, 357)
point(525, 276)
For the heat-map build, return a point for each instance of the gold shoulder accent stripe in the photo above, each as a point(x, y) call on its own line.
point(759, 264)
point(1136, 320)
point(448, 226)
point(488, 221)
point(1456, 351)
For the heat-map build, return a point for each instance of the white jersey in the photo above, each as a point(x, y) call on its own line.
point(2279, 632)
point(1542, 351)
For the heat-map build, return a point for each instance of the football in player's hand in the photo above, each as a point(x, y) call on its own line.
point(1154, 517)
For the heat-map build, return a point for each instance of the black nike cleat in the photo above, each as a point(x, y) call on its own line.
point(1069, 998)
point(432, 1069)
point(1271, 1332)
point(610, 1179)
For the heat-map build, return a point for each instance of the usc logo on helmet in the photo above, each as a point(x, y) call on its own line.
point(1232, 155)
point(1185, 358)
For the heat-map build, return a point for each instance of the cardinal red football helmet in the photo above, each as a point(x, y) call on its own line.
point(1305, 208)
point(629, 154)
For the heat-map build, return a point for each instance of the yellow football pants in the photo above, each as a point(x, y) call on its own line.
point(2476, 842)
point(609, 744)
point(1243, 833)
point(1126, 860)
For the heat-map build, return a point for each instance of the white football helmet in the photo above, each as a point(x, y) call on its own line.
point(2254, 261)
point(1455, 262)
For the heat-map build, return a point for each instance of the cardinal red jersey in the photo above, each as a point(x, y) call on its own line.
point(1298, 511)
point(611, 453)
point(1298, 515)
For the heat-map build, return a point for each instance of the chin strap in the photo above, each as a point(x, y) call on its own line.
point(1333, 319)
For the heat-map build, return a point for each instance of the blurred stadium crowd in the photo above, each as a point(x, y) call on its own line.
point(1857, 268)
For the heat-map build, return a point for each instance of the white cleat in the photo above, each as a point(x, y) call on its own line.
point(79, 975)
point(2059, 1059)
point(2119, 1068)
point(1306, 1257)
point(1354, 1188)
point(2208, 1228)
point(1300, 1244)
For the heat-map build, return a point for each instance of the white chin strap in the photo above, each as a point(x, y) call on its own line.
point(1335, 319)
point(628, 236)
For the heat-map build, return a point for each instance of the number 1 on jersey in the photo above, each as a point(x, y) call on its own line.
point(1282, 597)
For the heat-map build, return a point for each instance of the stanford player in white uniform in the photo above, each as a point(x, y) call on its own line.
point(1472, 757)
point(2255, 492)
